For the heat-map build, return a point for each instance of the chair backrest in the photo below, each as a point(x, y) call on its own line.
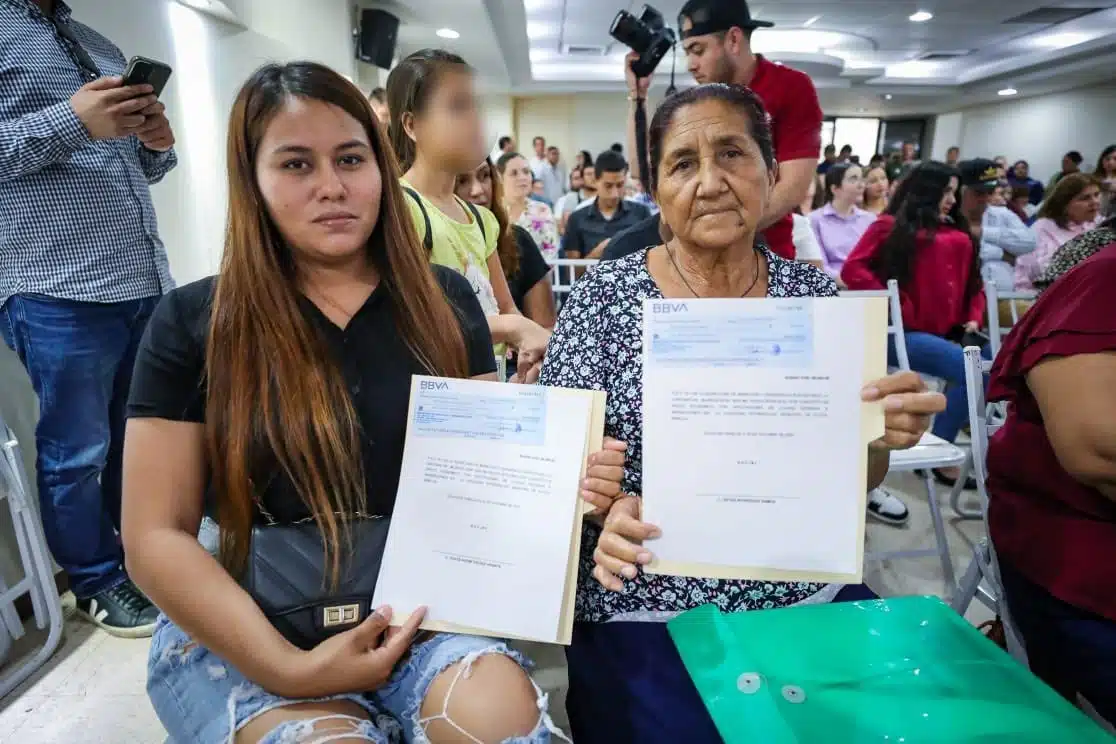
point(992, 295)
point(564, 273)
point(895, 318)
point(984, 419)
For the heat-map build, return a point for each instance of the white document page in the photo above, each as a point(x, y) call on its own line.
point(754, 436)
point(487, 501)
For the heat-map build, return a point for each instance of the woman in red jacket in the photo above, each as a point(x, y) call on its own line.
point(923, 241)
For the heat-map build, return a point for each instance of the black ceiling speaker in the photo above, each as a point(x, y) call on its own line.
point(376, 43)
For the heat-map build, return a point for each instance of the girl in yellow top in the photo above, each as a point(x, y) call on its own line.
point(436, 132)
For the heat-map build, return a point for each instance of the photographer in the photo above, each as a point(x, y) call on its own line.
point(716, 36)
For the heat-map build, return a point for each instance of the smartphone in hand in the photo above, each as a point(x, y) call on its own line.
point(142, 70)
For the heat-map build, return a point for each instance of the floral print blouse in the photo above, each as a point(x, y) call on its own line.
point(538, 220)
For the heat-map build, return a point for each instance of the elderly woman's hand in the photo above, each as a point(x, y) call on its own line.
point(620, 547)
point(603, 474)
point(908, 407)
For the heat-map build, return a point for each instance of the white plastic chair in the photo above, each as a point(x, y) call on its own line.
point(931, 452)
point(993, 296)
point(982, 578)
point(38, 580)
point(564, 274)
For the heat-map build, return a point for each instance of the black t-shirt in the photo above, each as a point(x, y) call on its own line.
point(635, 238)
point(169, 380)
point(532, 266)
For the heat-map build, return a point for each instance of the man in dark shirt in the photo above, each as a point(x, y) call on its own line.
point(830, 159)
point(609, 214)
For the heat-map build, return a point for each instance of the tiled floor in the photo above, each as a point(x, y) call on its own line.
point(92, 691)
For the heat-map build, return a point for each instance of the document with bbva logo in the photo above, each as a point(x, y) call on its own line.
point(486, 528)
point(755, 436)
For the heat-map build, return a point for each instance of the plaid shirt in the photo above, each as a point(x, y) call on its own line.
point(76, 217)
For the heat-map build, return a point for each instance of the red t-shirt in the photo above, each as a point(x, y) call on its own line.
point(934, 300)
point(796, 118)
point(1053, 529)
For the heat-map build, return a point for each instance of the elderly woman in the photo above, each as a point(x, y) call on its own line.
point(1071, 209)
point(712, 173)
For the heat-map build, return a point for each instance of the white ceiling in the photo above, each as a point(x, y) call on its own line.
point(857, 51)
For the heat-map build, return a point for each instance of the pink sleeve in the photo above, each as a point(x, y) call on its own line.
point(1028, 266)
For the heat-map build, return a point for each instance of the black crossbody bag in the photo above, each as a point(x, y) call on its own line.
point(286, 576)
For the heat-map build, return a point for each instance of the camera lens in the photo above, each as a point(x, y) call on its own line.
point(631, 32)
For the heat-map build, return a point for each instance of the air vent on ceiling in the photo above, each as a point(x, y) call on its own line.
point(1047, 16)
point(944, 55)
point(583, 50)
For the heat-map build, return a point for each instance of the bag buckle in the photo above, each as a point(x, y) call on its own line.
point(340, 615)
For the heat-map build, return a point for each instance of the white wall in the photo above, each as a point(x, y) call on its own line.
point(499, 119)
point(946, 134)
point(1041, 130)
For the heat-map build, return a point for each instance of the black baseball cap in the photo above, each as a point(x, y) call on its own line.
point(981, 174)
point(711, 16)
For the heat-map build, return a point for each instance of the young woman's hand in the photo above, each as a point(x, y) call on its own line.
point(358, 660)
point(908, 407)
point(620, 547)
point(603, 474)
point(530, 343)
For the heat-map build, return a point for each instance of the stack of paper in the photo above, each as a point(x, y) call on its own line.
point(487, 522)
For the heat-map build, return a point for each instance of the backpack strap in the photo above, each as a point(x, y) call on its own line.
point(476, 216)
point(428, 236)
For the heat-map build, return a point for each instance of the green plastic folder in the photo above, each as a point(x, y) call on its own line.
point(896, 671)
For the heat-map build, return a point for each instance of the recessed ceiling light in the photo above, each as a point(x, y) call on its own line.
point(921, 16)
point(811, 21)
point(1007, 92)
point(888, 96)
point(447, 33)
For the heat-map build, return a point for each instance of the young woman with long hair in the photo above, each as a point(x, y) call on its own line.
point(526, 270)
point(533, 216)
point(274, 395)
point(876, 188)
point(436, 132)
point(924, 242)
point(839, 224)
point(1071, 208)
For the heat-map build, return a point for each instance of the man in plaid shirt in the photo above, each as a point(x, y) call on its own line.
point(81, 269)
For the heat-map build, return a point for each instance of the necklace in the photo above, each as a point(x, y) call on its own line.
point(682, 276)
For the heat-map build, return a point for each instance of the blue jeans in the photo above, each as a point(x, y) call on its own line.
point(935, 356)
point(199, 697)
point(1070, 649)
point(79, 356)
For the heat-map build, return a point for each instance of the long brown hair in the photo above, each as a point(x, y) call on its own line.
point(506, 247)
point(275, 397)
point(409, 88)
point(1068, 188)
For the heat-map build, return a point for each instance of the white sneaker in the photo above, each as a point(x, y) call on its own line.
point(886, 507)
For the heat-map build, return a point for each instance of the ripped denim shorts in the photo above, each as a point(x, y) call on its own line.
point(201, 699)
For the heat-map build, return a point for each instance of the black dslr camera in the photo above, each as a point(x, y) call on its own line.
point(645, 34)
